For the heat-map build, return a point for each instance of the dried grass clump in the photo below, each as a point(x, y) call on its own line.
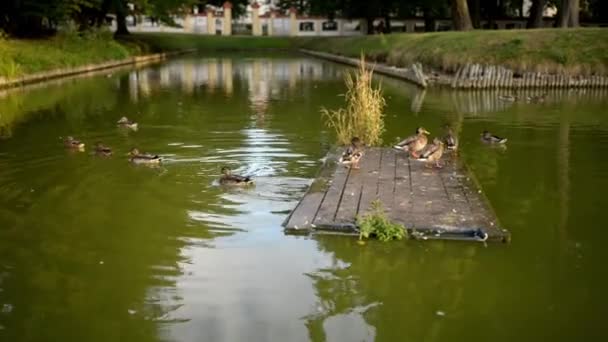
point(363, 116)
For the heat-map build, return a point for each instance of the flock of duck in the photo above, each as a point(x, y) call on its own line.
point(137, 157)
point(418, 147)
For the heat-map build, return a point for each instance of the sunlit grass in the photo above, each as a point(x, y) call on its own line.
point(569, 51)
point(363, 116)
point(19, 56)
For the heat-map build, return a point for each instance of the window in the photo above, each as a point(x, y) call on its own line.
point(307, 26)
point(330, 26)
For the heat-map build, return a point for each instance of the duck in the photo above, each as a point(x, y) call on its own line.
point(125, 122)
point(143, 158)
point(536, 98)
point(353, 154)
point(507, 98)
point(102, 150)
point(73, 144)
point(488, 137)
point(234, 180)
point(451, 141)
point(433, 153)
point(415, 143)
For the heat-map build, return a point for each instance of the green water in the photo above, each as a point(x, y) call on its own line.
point(95, 249)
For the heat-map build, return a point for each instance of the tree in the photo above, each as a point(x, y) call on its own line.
point(568, 13)
point(460, 15)
point(535, 20)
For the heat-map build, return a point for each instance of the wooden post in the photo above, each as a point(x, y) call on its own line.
point(188, 23)
point(318, 24)
point(227, 29)
point(293, 22)
point(210, 22)
point(273, 16)
point(455, 79)
point(256, 25)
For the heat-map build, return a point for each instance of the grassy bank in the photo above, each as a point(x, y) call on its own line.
point(157, 42)
point(572, 51)
point(22, 57)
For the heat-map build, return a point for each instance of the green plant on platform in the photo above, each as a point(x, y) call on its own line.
point(363, 116)
point(376, 224)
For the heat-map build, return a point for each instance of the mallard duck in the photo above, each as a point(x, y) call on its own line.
point(353, 154)
point(143, 158)
point(488, 137)
point(451, 141)
point(415, 143)
point(536, 98)
point(73, 144)
point(229, 179)
point(102, 150)
point(125, 122)
point(433, 152)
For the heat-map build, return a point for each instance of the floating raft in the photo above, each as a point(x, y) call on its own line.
point(431, 203)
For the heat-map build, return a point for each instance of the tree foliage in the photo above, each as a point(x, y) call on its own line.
point(39, 17)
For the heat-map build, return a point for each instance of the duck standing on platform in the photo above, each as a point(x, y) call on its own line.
point(451, 141)
point(126, 123)
point(144, 158)
point(102, 150)
point(489, 138)
point(353, 154)
point(433, 152)
point(73, 144)
point(234, 180)
point(415, 143)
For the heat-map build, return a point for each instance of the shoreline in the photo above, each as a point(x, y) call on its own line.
point(473, 76)
point(7, 83)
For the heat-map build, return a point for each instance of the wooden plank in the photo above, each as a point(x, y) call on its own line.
point(438, 203)
point(329, 205)
point(347, 208)
point(403, 188)
point(303, 215)
point(369, 182)
point(386, 181)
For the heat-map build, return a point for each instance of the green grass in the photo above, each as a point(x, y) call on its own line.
point(570, 51)
point(156, 42)
point(21, 57)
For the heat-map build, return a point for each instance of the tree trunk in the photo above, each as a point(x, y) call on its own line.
point(476, 13)
point(429, 21)
point(387, 22)
point(370, 25)
point(460, 15)
point(121, 24)
point(574, 13)
point(563, 16)
point(535, 20)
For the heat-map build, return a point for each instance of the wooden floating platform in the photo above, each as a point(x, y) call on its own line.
point(430, 203)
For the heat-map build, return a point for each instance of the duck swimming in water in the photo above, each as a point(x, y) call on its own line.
point(143, 158)
point(433, 152)
point(353, 153)
point(229, 179)
point(102, 150)
point(125, 122)
point(415, 143)
point(73, 144)
point(489, 138)
point(451, 141)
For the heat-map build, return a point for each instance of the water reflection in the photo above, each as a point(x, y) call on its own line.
point(99, 250)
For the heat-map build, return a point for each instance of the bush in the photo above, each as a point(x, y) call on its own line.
point(363, 116)
point(376, 224)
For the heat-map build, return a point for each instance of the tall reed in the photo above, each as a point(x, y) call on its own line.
point(363, 116)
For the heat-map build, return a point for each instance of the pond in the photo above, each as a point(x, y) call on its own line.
point(96, 249)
